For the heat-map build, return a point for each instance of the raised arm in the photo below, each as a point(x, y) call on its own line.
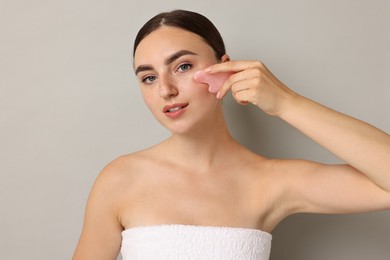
point(365, 148)
point(361, 145)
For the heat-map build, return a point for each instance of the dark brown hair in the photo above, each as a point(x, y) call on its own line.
point(189, 21)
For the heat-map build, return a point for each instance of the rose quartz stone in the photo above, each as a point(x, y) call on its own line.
point(214, 80)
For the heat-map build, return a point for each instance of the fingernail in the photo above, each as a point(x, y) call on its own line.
point(219, 94)
point(208, 69)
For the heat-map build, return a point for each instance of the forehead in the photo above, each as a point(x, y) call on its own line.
point(167, 40)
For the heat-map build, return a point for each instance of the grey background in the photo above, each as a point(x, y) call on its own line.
point(69, 104)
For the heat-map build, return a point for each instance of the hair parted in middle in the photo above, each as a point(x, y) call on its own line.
point(186, 20)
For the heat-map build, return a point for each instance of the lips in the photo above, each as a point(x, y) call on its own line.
point(175, 110)
point(174, 107)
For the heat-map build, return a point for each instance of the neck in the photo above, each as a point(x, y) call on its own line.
point(203, 148)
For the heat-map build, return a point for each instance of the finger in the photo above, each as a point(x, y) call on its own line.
point(226, 86)
point(241, 97)
point(246, 79)
point(234, 66)
point(244, 97)
point(249, 90)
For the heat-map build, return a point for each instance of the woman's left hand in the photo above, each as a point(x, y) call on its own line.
point(253, 83)
point(364, 147)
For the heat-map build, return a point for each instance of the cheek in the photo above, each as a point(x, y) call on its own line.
point(190, 87)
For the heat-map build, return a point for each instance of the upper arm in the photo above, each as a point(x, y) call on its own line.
point(333, 189)
point(101, 234)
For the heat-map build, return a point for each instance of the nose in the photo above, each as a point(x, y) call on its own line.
point(167, 87)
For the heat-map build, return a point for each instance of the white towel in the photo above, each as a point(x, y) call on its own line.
point(174, 241)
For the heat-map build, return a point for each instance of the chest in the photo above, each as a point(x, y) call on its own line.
point(217, 199)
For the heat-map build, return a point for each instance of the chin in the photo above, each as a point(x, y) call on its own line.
point(178, 129)
point(181, 128)
point(189, 124)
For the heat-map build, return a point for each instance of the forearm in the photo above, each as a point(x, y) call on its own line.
point(361, 145)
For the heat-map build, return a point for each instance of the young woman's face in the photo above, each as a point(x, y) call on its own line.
point(165, 62)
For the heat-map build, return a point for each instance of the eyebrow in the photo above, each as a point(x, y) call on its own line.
point(167, 61)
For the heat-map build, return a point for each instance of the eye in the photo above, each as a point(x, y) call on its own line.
point(184, 67)
point(148, 79)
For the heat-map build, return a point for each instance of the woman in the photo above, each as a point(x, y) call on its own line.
point(200, 194)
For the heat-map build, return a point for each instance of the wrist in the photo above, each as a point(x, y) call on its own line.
point(291, 101)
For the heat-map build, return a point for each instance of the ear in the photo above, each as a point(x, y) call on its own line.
point(225, 58)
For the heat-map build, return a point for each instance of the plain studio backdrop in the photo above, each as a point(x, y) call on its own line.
point(69, 104)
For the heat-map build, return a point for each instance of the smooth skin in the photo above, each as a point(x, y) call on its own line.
point(201, 176)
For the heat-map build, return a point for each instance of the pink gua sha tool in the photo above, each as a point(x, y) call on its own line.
point(214, 80)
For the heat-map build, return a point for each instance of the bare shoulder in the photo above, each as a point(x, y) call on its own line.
point(120, 178)
point(281, 164)
point(273, 183)
point(102, 225)
point(123, 169)
point(268, 183)
point(288, 174)
point(280, 168)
